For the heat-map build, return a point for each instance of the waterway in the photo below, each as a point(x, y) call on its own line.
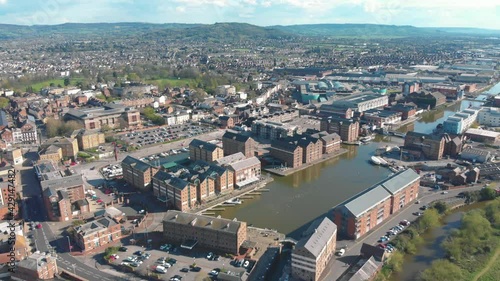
point(431, 250)
point(294, 201)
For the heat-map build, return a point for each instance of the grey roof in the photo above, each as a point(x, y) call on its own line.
point(227, 160)
point(366, 200)
point(251, 161)
point(199, 221)
point(367, 270)
point(235, 136)
point(369, 198)
point(163, 176)
point(34, 261)
point(95, 226)
point(62, 183)
point(136, 163)
point(322, 231)
point(203, 145)
point(400, 181)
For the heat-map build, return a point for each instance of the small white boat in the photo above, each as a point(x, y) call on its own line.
point(236, 201)
point(375, 160)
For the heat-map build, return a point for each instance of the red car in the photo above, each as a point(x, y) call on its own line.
point(382, 245)
point(38, 226)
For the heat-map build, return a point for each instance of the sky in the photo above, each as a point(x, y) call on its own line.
point(424, 13)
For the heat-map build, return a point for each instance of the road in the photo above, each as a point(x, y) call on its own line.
point(337, 266)
point(44, 239)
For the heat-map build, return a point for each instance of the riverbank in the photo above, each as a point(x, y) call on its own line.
point(434, 244)
point(286, 171)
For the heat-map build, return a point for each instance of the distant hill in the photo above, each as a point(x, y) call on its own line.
point(230, 31)
point(223, 32)
point(356, 30)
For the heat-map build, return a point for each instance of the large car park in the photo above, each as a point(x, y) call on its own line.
point(164, 134)
point(171, 262)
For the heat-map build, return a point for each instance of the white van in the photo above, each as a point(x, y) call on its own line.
point(340, 252)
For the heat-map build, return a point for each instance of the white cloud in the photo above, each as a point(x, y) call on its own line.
point(219, 3)
point(180, 9)
point(266, 3)
point(3, 2)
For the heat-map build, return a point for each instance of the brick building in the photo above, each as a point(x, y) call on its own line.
point(222, 235)
point(61, 196)
point(288, 152)
point(245, 170)
point(314, 251)
point(138, 173)
point(432, 146)
point(51, 153)
point(69, 146)
point(97, 233)
point(88, 138)
point(407, 110)
point(175, 192)
point(202, 150)
point(364, 211)
point(233, 142)
point(38, 266)
point(111, 115)
point(347, 129)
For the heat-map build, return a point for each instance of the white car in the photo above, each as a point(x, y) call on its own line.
point(161, 269)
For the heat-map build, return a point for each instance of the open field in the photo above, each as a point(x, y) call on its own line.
point(491, 270)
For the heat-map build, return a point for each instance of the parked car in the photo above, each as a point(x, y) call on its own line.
point(196, 269)
point(172, 261)
point(160, 269)
point(210, 255)
point(184, 269)
point(404, 223)
point(38, 226)
point(122, 249)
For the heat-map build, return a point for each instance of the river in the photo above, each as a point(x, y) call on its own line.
point(294, 201)
point(431, 249)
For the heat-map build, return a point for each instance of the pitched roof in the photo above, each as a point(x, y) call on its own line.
point(200, 221)
point(367, 270)
point(321, 231)
point(251, 161)
point(235, 136)
point(400, 181)
point(203, 145)
point(136, 163)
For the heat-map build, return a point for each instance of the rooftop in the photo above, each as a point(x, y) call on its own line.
point(199, 221)
point(203, 145)
point(318, 235)
point(484, 133)
point(63, 182)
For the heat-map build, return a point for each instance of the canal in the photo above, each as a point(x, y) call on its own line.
point(431, 249)
point(294, 201)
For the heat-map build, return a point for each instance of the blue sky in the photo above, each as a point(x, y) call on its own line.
point(441, 13)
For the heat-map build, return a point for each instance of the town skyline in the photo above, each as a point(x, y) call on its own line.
point(444, 13)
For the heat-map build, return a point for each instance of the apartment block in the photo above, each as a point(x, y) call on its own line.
point(175, 192)
point(314, 250)
point(273, 130)
point(288, 152)
point(461, 121)
point(347, 129)
point(202, 150)
point(489, 116)
point(64, 196)
point(364, 211)
point(233, 142)
point(213, 233)
point(432, 146)
point(138, 173)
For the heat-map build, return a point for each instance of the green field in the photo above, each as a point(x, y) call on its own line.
point(44, 84)
point(172, 82)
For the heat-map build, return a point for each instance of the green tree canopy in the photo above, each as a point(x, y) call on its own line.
point(4, 102)
point(442, 270)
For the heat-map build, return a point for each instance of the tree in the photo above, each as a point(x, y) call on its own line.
point(441, 207)
point(442, 270)
point(395, 262)
point(429, 219)
point(67, 82)
point(487, 194)
point(4, 102)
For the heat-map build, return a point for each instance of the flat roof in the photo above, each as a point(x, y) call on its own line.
point(484, 133)
point(200, 221)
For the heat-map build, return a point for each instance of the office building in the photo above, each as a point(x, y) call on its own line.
point(111, 115)
point(88, 139)
point(97, 233)
point(489, 116)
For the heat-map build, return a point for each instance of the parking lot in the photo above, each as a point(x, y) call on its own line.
point(164, 134)
point(190, 265)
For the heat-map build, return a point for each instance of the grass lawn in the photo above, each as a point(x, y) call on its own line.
point(172, 82)
point(492, 270)
point(60, 81)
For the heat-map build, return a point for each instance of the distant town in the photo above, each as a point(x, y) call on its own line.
point(119, 156)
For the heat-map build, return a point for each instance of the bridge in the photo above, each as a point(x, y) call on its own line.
point(289, 240)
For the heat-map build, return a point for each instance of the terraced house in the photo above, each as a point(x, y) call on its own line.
point(364, 211)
